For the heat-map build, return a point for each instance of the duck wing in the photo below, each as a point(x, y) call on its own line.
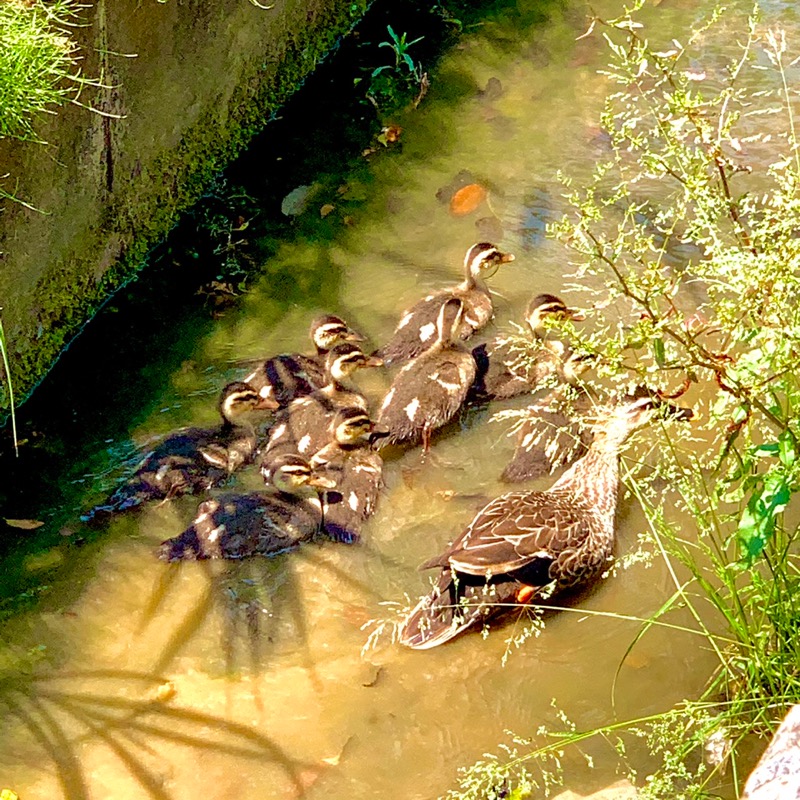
point(287, 377)
point(416, 331)
point(515, 530)
point(454, 604)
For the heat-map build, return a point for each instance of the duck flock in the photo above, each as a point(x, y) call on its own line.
point(321, 455)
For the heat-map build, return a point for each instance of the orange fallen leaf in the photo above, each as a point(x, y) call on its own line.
point(389, 135)
point(467, 199)
point(25, 524)
point(326, 209)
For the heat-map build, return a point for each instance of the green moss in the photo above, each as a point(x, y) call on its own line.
point(70, 294)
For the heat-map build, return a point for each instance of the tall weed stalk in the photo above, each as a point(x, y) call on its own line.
point(9, 385)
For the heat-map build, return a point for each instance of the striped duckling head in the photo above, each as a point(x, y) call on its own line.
point(346, 358)
point(293, 474)
point(239, 398)
point(483, 260)
point(576, 364)
point(351, 426)
point(328, 330)
point(548, 306)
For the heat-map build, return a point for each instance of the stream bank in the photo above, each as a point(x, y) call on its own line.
point(185, 86)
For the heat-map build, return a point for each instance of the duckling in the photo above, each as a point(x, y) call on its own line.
point(524, 546)
point(417, 327)
point(555, 432)
point(428, 392)
point(291, 375)
point(193, 460)
point(304, 425)
point(504, 367)
point(258, 523)
point(355, 469)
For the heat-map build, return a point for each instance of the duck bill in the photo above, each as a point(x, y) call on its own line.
point(507, 258)
point(267, 404)
point(680, 413)
point(321, 482)
point(377, 435)
point(353, 336)
point(575, 314)
point(373, 361)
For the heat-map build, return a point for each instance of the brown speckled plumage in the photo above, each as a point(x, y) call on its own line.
point(428, 392)
point(304, 425)
point(416, 330)
point(562, 537)
point(266, 523)
point(356, 471)
point(510, 366)
point(291, 375)
point(192, 460)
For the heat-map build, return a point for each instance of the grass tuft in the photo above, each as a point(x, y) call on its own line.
point(38, 63)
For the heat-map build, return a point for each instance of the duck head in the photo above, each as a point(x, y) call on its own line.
point(351, 426)
point(346, 358)
point(239, 398)
point(293, 474)
point(548, 306)
point(329, 330)
point(482, 261)
point(576, 364)
point(634, 411)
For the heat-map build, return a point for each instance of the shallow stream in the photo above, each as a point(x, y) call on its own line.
point(124, 678)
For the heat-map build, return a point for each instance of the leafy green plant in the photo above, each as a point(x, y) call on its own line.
point(690, 227)
point(399, 46)
point(391, 83)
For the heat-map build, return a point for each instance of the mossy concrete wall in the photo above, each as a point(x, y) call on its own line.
point(191, 82)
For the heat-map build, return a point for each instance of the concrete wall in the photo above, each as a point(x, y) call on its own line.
point(206, 76)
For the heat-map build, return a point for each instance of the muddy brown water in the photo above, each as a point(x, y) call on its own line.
point(135, 679)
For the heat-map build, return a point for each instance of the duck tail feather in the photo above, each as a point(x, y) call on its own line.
point(126, 498)
point(439, 616)
point(186, 547)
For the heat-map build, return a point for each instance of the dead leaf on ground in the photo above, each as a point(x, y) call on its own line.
point(389, 135)
point(24, 524)
point(296, 201)
point(467, 199)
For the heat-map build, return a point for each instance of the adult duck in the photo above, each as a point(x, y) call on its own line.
point(193, 460)
point(428, 391)
point(525, 545)
point(416, 330)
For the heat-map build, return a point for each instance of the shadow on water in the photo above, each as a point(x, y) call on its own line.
point(131, 729)
point(259, 605)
